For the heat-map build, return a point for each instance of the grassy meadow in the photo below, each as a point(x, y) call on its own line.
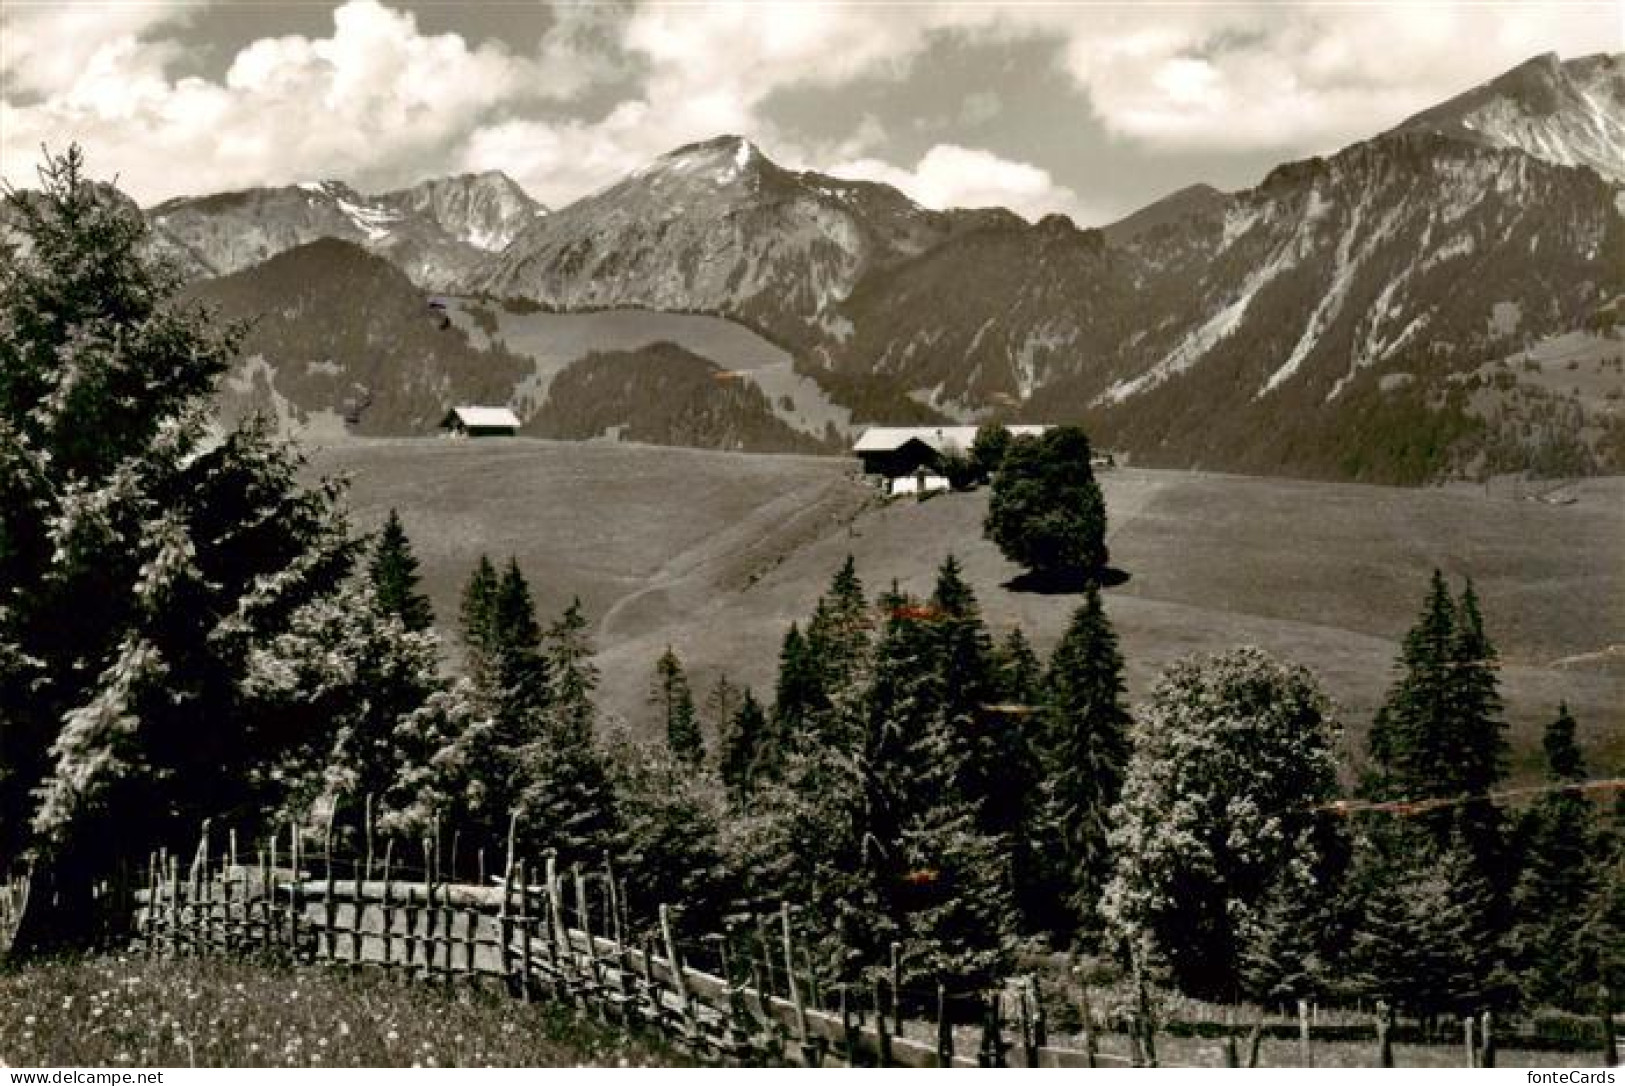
point(716, 553)
point(125, 1010)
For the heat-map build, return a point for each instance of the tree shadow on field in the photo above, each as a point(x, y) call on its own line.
point(1066, 582)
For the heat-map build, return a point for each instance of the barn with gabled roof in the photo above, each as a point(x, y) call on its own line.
point(474, 421)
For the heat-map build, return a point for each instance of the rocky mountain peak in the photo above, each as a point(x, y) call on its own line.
point(1570, 113)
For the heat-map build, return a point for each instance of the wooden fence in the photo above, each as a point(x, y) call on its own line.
point(539, 932)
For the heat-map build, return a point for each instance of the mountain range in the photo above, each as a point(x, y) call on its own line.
point(1337, 319)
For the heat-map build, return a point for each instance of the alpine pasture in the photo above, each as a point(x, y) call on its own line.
point(715, 554)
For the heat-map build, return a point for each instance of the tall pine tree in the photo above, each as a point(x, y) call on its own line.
point(1440, 732)
point(476, 618)
point(1560, 873)
point(1086, 750)
point(142, 561)
point(395, 580)
point(671, 695)
point(740, 749)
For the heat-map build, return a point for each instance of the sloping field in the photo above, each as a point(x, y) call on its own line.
point(716, 553)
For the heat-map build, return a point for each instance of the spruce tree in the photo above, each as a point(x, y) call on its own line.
point(571, 673)
point(929, 854)
point(519, 679)
point(142, 561)
point(356, 666)
point(1560, 873)
point(997, 779)
point(394, 573)
point(476, 619)
point(1281, 955)
point(721, 703)
point(1019, 674)
point(671, 695)
point(837, 637)
point(740, 749)
point(798, 698)
point(1426, 939)
point(1085, 730)
point(1440, 732)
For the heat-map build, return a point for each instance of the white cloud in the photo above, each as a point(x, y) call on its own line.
point(377, 101)
point(952, 176)
point(44, 48)
point(1307, 79)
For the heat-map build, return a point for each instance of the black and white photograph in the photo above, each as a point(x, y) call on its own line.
point(811, 534)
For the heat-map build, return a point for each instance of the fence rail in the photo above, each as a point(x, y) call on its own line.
point(544, 933)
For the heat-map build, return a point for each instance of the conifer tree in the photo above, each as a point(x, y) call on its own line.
point(1560, 873)
point(837, 638)
point(721, 703)
point(1019, 677)
point(671, 695)
point(929, 853)
point(740, 749)
point(668, 846)
point(1086, 750)
point(395, 579)
point(141, 561)
point(798, 697)
point(997, 779)
point(1281, 956)
point(1425, 940)
point(1440, 732)
point(477, 621)
point(571, 673)
point(519, 679)
point(356, 666)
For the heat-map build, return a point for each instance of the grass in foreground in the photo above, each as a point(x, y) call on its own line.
point(132, 1011)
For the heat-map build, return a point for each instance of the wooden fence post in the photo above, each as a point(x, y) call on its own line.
point(1255, 1041)
point(150, 926)
point(594, 979)
point(1486, 1042)
point(690, 1019)
point(1385, 1044)
point(176, 930)
point(1040, 1017)
point(809, 1055)
point(1610, 1040)
point(896, 986)
point(1091, 1049)
point(1469, 1043)
point(330, 904)
point(849, 1030)
point(527, 921)
point(295, 915)
point(273, 926)
point(1306, 1052)
point(427, 939)
point(945, 1029)
point(367, 832)
point(881, 1032)
point(992, 1053)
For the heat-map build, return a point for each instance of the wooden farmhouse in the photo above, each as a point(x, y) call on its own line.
point(908, 459)
point(480, 422)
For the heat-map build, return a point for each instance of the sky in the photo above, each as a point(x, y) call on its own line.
point(1087, 109)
